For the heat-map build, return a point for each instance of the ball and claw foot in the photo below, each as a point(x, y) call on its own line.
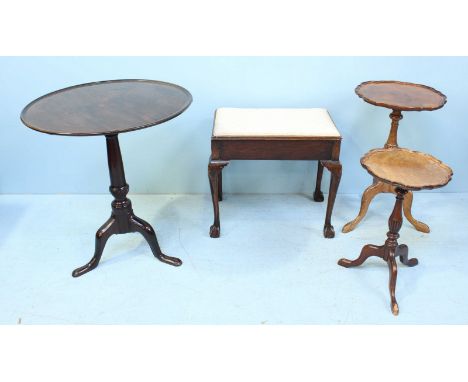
point(395, 309)
point(214, 231)
point(329, 231)
point(318, 196)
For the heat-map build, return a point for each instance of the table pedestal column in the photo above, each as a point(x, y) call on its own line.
point(389, 251)
point(122, 219)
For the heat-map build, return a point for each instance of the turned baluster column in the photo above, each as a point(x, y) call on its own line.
point(396, 116)
point(121, 205)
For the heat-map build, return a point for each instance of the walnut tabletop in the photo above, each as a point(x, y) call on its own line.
point(401, 96)
point(407, 169)
point(106, 107)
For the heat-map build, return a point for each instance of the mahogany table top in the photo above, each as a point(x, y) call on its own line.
point(403, 96)
point(106, 107)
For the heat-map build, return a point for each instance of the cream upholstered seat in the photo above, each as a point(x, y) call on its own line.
point(240, 122)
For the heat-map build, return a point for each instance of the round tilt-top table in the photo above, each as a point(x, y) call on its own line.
point(402, 170)
point(398, 96)
point(109, 108)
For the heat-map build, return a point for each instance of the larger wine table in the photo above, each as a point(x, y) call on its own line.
point(109, 108)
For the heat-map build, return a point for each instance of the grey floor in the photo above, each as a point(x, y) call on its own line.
point(270, 266)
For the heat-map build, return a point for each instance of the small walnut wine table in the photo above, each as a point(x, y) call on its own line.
point(109, 108)
point(398, 96)
point(403, 170)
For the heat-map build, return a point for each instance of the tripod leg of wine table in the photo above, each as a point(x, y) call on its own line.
point(407, 203)
point(122, 219)
point(389, 251)
point(379, 187)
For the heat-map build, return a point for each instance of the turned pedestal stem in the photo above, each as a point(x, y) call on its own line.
point(395, 221)
point(392, 139)
point(121, 205)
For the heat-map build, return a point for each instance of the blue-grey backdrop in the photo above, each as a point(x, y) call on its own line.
point(172, 158)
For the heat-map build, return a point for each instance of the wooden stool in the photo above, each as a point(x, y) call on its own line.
point(398, 96)
point(403, 170)
point(275, 134)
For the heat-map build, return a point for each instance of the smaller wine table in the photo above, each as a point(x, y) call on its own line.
point(403, 170)
point(109, 108)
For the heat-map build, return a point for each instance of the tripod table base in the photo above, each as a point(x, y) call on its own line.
point(389, 251)
point(122, 219)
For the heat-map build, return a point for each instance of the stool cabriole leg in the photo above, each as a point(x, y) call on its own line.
point(215, 168)
point(335, 169)
point(220, 186)
point(318, 194)
point(122, 219)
